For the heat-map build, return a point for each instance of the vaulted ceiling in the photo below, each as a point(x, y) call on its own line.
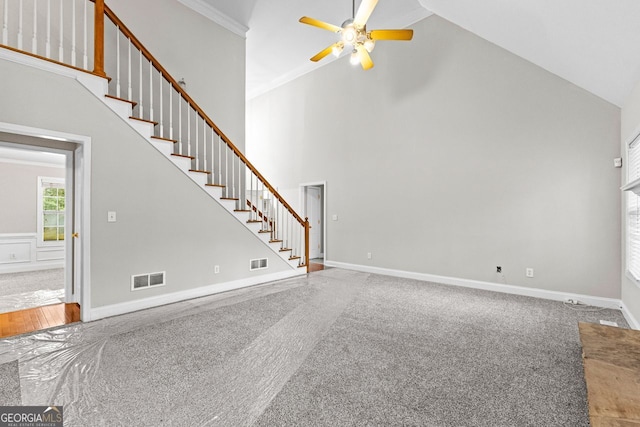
point(594, 44)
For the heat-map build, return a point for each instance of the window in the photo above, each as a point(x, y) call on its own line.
point(51, 211)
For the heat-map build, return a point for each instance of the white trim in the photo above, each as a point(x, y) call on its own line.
point(612, 303)
point(156, 301)
point(216, 16)
point(33, 267)
point(31, 163)
point(631, 320)
point(82, 184)
point(95, 84)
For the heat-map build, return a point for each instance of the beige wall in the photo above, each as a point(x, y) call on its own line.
point(450, 157)
point(630, 127)
point(19, 195)
point(165, 221)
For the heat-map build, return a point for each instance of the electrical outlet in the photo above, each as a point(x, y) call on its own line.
point(368, 255)
point(529, 272)
point(216, 269)
point(498, 269)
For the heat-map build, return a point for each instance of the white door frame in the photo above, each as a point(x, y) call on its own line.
point(78, 171)
point(303, 209)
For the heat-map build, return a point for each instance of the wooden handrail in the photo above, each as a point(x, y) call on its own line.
point(112, 16)
point(98, 38)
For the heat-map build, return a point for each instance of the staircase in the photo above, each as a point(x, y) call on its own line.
point(128, 79)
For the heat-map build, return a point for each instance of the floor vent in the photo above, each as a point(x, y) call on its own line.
point(258, 264)
point(145, 281)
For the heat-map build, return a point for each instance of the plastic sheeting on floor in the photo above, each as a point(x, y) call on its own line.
point(217, 360)
point(25, 300)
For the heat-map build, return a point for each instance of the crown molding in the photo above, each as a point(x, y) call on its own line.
point(208, 11)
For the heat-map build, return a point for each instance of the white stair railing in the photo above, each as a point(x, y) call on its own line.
point(67, 26)
point(162, 100)
point(57, 30)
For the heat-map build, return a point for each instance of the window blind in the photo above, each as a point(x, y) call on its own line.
point(633, 211)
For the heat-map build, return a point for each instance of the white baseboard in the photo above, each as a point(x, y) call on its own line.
point(495, 287)
point(23, 268)
point(631, 320)
point(156, 301)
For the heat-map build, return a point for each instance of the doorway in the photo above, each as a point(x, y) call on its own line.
point(42, 241)
point(313, 196)
point(32, 227)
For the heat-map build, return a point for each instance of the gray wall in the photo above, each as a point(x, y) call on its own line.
point(210, 58)
point(19, 195)
point(165, 222)
point(630, 127)
point(450, 157)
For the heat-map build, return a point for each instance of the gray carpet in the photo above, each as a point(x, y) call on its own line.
point(336, 348)
point(30, 281)
point(10, 384)
point(31, 289)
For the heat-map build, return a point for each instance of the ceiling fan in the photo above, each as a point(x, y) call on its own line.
point(354, 35)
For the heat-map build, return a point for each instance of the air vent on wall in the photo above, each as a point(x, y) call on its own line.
point(149, 280)
point(258, 264)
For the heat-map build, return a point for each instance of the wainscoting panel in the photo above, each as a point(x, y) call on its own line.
point(19, 252)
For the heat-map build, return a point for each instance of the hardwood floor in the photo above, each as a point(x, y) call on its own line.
point(34, 319)
point(315, 267)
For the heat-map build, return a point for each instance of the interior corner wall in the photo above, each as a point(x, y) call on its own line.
point(210, 58)
point(450, 157)
point(165, 222)
point(630, 126)
point(19, 195)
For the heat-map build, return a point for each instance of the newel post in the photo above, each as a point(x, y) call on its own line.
point(306, 242)
point(98, 39)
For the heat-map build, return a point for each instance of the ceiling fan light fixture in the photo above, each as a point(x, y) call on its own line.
point(369, 45)
point(349, 35)
point(355, 58)
point(354, 35)
point(337, 49)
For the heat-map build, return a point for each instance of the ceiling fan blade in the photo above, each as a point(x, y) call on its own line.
point(324, 53)
point(364, 12)
point(391, 34)
point(320, 24)
point(365, 58)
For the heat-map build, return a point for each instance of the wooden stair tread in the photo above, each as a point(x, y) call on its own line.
point(291, 258)
point(199, 171)
point(184, 156)
point(143, 120)
point(275, 241)
point(164, 139)
point(215, 185)
point(241, 210)
point(264, 231)
point(285, 249)
point(255, 221)
point(133, 103)
point(228, 198)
